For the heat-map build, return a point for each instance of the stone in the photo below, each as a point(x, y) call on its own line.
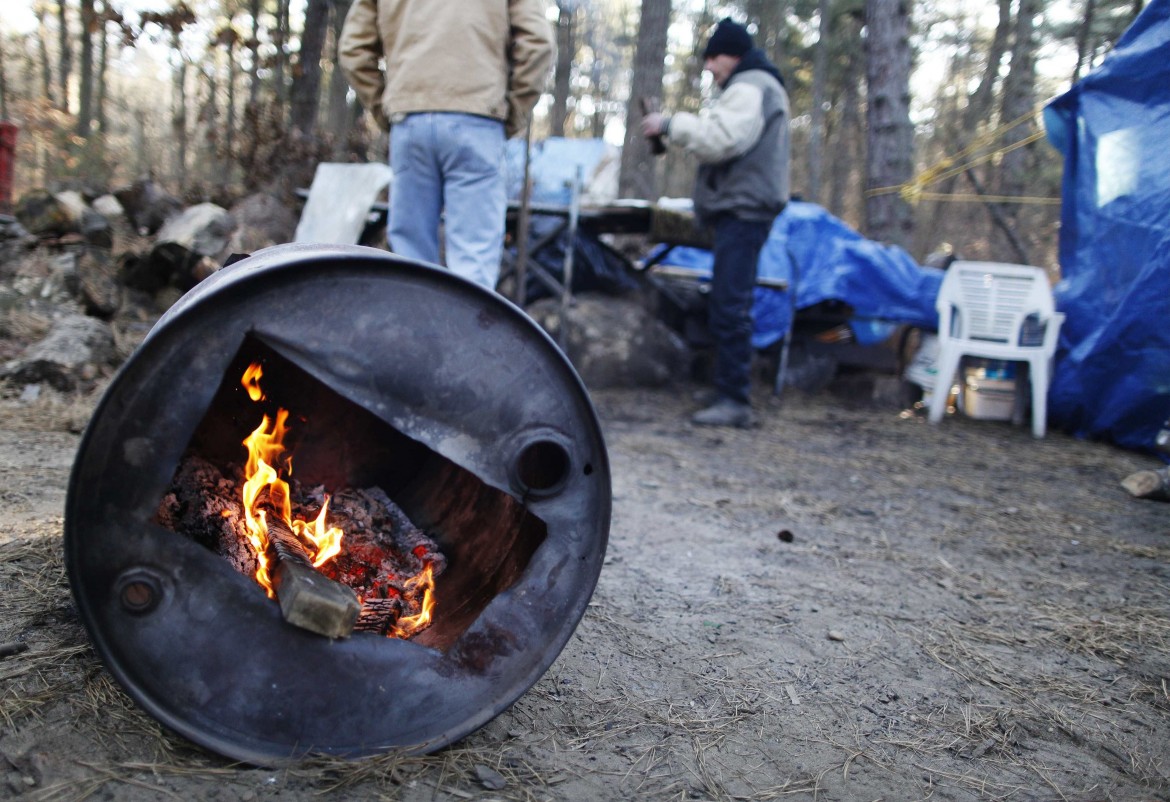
point(72, 355)
point(614, 341)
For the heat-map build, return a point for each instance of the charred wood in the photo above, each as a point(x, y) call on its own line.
point(382, 550)
point(308, 599)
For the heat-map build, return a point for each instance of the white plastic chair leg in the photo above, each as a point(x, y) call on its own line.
point(1038, 373)
point(948, 363)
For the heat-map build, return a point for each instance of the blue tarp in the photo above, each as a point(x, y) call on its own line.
point(1112, 379)
point(882, 283)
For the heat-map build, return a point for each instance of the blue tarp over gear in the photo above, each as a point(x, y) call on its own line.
point(881, 283)
point(1112, 379)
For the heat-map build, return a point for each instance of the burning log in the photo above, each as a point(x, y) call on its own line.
point(308, 599)
point(385, 560)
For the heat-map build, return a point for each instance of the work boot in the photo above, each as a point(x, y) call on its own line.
point(726, 412)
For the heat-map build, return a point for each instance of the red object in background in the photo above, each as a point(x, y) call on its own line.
point(7, 159)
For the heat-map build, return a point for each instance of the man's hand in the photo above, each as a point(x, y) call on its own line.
point(653, 124)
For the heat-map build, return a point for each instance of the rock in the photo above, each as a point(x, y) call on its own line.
point(41, 212)
point(187, 249)
point(615, 341)
point(261, 221)
point(93, 226)
point(108, 207)
point(71, 356)
point(490, 778)
point(98, 286)
point(1149, 484)
point(147, 205)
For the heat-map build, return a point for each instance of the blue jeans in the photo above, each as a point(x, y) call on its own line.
point(729, 305)
point(449, 165)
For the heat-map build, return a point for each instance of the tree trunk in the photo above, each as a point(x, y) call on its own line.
point(280, 41)
point(1016, 167)
point(566, 48)
point(847, 138)
point(306, 86)
point(103, 64)
point(65, 56)
point(3, 85)
point(1083, 36)
point(975, 116)
point(979, 106)
point(179, 116)
point(637, 178)
point(229, 141)
point(254, 47)
point(816, 135)
point(43, 51)
point(89, 26)
point(339, 117)
point(209, 118)
point(890, 135)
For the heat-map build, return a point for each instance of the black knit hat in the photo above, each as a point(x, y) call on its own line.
point(729, 38)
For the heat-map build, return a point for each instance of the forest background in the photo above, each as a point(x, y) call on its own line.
point(915, 121)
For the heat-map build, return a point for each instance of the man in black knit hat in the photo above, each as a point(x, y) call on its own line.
point(741, 142)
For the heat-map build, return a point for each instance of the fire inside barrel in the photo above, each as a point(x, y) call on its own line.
point(336, 563)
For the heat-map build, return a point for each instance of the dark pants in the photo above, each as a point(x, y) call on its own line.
point(729, 306)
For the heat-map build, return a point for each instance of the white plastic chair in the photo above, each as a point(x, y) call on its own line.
point(997, 311)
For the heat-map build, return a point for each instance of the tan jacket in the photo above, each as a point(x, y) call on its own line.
point(485, 57)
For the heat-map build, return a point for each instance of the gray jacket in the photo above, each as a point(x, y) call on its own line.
point(742, 144)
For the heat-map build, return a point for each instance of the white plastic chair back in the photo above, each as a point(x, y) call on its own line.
point(997, 311)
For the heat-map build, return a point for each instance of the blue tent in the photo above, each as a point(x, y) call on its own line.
point(1112, 379)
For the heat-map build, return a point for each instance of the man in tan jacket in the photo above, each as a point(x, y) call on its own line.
point(451, 81)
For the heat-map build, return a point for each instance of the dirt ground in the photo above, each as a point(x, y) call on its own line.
point(844, 604)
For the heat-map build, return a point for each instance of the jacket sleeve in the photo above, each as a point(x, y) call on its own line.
point(359, 49)
point(726, 130)
point(530, 56)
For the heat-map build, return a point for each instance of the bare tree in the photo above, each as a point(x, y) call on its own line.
point(306, 85)
point(339, 115)
point(172, 23)
point(3, 84)
point(846, 137)
point(817, 121)
point(126, 38)
point(566, 52)
point(254, 49)
point(1018, 104)
point(43, 51)
point(280, 37)
point(64, 54)
point(890, 135)
point(637, 168)
point(89, 28)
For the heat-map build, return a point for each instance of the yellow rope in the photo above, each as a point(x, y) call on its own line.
point(912, 191)
point(938, 196)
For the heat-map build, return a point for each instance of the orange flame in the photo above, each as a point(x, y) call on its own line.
point(410, 624)
point(251, 381)
point(266, 460)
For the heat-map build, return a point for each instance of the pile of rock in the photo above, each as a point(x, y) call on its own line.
point(84, 276)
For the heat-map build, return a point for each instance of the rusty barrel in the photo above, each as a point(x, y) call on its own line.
point(402, 376)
